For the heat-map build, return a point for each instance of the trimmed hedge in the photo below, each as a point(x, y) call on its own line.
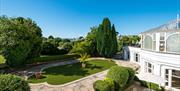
point(101, 85)
point(119, 75)
point(149, 85)
point(10, 82)
point(131, 76)
point(110, 83)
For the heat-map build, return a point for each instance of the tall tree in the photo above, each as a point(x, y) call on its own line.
point(114, 39)
point(20, 39)
point(106, 39)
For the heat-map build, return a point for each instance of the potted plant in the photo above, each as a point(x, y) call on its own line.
point(38, 75)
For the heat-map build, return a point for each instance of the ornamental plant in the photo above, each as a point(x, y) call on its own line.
point(119, 75)
point(10, 82)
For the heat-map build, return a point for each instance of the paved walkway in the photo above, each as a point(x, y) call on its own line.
point(136, 86)
point(84, 84)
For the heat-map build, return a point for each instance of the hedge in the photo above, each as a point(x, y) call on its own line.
point(101, 85)
point(10, 82)
point(110, 82)
point(149, 85)
point(119, 75)
point(131, 76)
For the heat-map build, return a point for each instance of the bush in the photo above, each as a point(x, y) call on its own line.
point(111, 84)
point(13, 83)
point(50, 49)
point(136, 78)
point(67, 46)
point(149, 85)
point(20, 39)
point(100, 85)
point(119, 75)
point(131, 76)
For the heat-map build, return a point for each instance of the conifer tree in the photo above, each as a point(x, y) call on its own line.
point(106, 39)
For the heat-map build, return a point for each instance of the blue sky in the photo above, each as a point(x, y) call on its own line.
point(73, 18)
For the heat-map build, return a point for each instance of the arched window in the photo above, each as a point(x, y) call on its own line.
point(173, 43)
point(148, 42)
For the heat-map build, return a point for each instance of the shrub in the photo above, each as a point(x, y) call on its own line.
point(149, 85)
point(67, 46)
point(154, 86)
point(100, 85)
point(2, 60)
point(110, 83)
point(20, 39)
point(13, 83)
point(50, 49)
point(119, 75)
point(136, 78)
point(131, 76)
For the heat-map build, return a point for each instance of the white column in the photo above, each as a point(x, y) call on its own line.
point(157, 41)
point(163, 75)
point(170, 78)
point(157, 69)
point(131, 56)
point(165, 35)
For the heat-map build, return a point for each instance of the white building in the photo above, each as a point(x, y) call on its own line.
point(159, 53)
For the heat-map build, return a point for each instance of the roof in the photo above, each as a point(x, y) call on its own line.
point(171, 26)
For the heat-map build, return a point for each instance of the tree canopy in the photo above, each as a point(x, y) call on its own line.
point(106, 39)
point(20, 40)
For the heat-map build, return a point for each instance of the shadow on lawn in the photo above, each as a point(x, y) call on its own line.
point(72, 69)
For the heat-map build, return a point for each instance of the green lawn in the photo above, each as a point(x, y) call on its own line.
point(2, 60)
point(67, 73)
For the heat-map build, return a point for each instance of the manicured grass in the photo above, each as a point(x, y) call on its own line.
point(49, 58)
point(2, 60)
point(67, 73)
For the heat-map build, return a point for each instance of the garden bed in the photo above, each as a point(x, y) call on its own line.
point(67, 73)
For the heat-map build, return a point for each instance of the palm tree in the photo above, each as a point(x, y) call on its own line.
point(83, 58)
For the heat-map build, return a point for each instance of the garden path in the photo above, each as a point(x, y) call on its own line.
point(84, 84)
point(28, 72)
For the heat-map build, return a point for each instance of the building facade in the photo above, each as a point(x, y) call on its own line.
point(159, 53)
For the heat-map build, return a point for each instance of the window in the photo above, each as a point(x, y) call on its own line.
point(149, 68)
point(175, 79)
point(167, 76)
point(161, 36)
point(136, 57)
point(154, 45)
point(161, 45)
point(161, 42)
point(154, 41)
point(148, 42)
point(142, 44)
point(173, 43)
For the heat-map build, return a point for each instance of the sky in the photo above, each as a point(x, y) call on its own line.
point(73, 18)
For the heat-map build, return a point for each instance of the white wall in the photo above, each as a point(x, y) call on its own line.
point(132, 51)
point(160, 61)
